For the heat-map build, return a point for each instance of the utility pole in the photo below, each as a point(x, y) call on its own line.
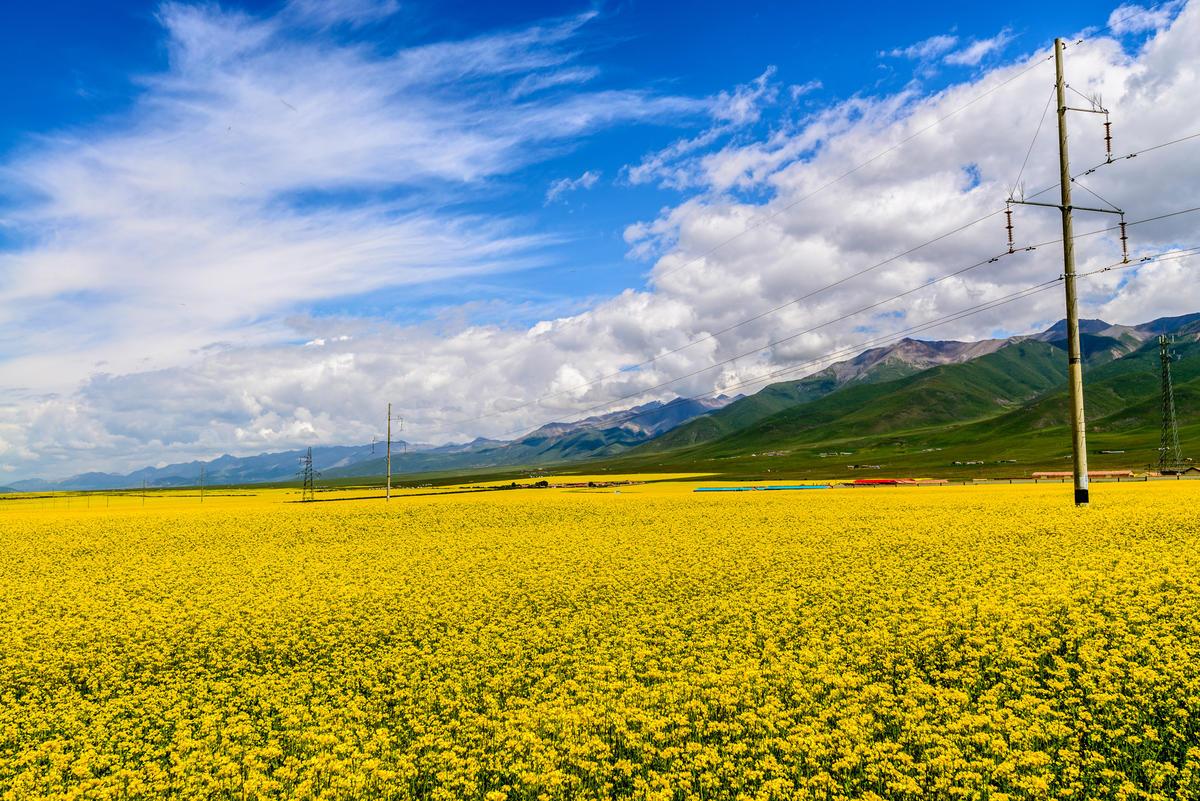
point(1065, 206)
point(201, 483)
point(1074, 355)
point(389, 453)
point(374, 441)
point(1170, 457)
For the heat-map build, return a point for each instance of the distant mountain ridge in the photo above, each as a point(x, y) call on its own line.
point(601, 435)
point(908, 383)
point(1006, 412)
point(903, 358)
point(264, 467)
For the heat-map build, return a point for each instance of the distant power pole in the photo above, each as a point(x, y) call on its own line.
point(400, 422)
point(389, 453)
point(201, 483)
point(1074, 352)
point(1170, 457)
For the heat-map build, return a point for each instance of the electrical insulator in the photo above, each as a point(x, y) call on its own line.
point(1107, 139)
point(1009, 226)
point(1124, 243)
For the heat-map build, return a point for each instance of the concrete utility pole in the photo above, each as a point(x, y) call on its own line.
point(389, 453)
point(1074, 355)
point(1066, 207)
point(388, 446)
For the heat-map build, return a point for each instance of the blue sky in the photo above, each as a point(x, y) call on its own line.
point(71, 64)
point(244, 226)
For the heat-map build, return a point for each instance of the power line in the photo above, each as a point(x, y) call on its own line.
point(1172, 255)
point(851, 350)
point(1137, 153)
point(798, 334)
point(859, 347)
point(739, 324)
point(1032, 142)
point(708, 337)
point(852, 170)
point(787, 207)
point(840, 318)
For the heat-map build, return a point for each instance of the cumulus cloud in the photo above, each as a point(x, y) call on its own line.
point(828, 206)
point(563, 185)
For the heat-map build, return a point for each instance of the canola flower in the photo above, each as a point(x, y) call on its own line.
point(947, 643)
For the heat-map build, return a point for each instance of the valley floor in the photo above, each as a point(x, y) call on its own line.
point(639, 641)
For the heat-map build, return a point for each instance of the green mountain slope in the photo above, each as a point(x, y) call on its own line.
point(985, 387)
point(744, 412)
point(1002, 414)
point(904, 358)
point(1121, 395)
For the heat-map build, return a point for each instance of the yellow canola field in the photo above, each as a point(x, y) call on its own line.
point(977, 642)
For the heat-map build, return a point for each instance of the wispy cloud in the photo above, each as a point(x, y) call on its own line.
point(531, 84)
point(797, 91)
point(563, 185)
point(336, 12)
point(268, 169)
point(924, 50)
point(730, 111)
point(979, 49)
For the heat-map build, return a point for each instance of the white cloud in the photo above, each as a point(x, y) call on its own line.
point(744, 104)
point(798, 91)
point(924, 50)
point(1132, 18)
point(268, 169)
point(325, 13)
point(719, 259)
point(563, 185)
point(978, 49)
point(674, 166)
point(531, 84)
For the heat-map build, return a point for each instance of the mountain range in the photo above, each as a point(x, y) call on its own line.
point(914, 404)
point(598, 436)
point(971, 414)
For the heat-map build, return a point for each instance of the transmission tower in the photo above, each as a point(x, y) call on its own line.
point(308, 493)
point(1170, 458)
